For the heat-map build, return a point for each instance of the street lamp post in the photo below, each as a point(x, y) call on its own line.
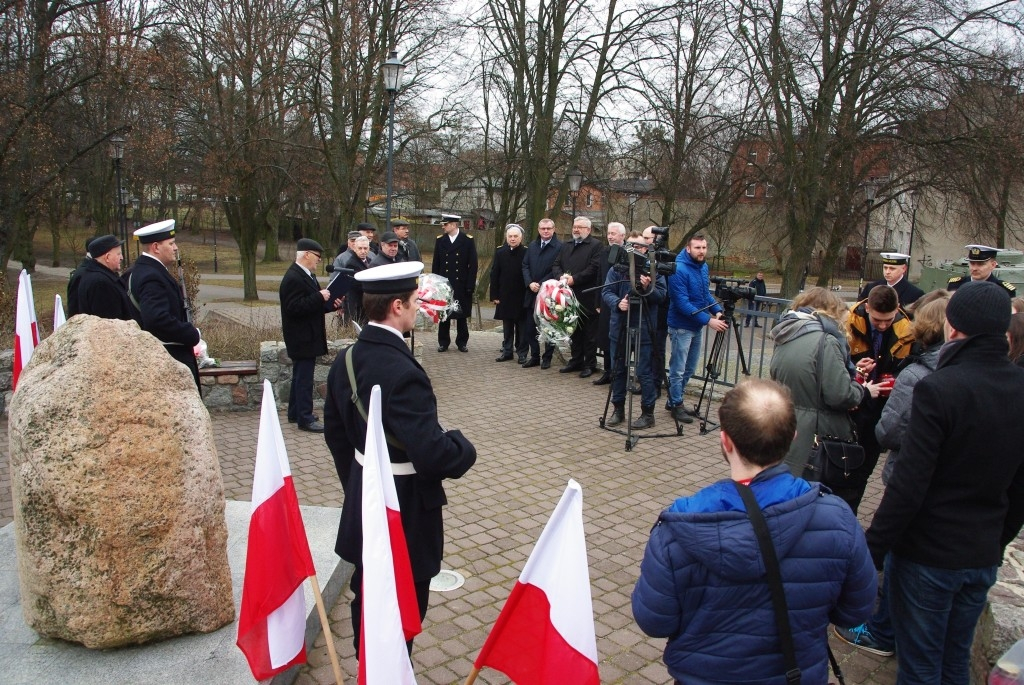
point(869, 195)
point(117, 153)
point(213, 210)
point(136, 205)
point(633, 197)
point(392, 72)
point(915, 198)
point(575, 183)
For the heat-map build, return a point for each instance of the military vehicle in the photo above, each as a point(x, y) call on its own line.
point(935, 276)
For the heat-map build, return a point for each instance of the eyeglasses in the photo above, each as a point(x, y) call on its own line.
point(315, 254)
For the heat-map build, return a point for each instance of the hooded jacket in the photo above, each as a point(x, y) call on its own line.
point(795, 365)
point(703, 583)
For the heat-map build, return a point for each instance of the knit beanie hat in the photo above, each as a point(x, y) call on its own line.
point(979, 308)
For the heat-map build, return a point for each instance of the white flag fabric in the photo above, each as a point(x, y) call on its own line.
point(58, 313)
point(384, 658)
point(26, 328)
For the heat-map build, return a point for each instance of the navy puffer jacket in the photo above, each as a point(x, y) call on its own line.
point(703, 584)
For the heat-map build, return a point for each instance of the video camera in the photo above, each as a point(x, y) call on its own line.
point(622, 255)
point(729, 290)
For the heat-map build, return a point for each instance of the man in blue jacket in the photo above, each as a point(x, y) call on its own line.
point(691, 308)
point(703, 583)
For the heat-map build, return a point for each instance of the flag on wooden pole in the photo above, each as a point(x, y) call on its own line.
point(26, 328)
point(58, 313)
point(545, 632)
point(272, 620)
point(390, 609)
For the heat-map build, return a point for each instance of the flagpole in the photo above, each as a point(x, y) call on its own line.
point(327, 630)
point(472, 676)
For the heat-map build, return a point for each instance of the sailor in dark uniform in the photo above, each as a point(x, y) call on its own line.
point(422, 453)
point(455, 259)
point(159, 296)
point(895, 266)
point(101, 292)
point(981, 260)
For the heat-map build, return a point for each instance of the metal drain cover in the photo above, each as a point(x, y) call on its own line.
point(446, 581)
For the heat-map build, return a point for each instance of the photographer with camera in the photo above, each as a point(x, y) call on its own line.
point(691, 308)
point(619, 288)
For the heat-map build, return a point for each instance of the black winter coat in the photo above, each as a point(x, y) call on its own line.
point(101, 292)
point(583, 263)
point(302, 314)
point(507, 282)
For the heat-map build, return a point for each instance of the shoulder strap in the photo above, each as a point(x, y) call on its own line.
point(131, 295)
point(771, 564)
point(391, 440)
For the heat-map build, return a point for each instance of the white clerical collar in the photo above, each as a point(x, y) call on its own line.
point(453, 236)
point(387, 328)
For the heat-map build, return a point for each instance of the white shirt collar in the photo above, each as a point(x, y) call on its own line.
point(387, 328)
point(453, 236)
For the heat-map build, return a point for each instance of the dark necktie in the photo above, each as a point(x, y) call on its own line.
point(543, 244)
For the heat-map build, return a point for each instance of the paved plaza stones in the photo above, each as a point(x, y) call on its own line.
point(533, 430)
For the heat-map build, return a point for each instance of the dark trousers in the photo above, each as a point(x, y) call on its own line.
point(444, 331)
point(851, 490)
point(300, 397)
point(422, 599)
point(185, 355)
point(603, 334)
point(513, 337)
point(530, 335)
point(583, 344)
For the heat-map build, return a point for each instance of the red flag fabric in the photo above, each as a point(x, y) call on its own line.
point(26, 328)
point(272, 620)
point(390, 609)
point(545, 632)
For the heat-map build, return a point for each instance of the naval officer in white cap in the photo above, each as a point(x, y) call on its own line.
point(422, 453)
point(159, 297)
point(895, 266)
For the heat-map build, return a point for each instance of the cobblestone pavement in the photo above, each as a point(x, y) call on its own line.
point(533, 430)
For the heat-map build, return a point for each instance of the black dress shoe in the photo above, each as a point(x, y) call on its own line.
point(294, 420)
point(463, 348)
point(522, 359)
point(442, 348)
point(504, 358)
point(545, 363)
point(605, 379)
point(569, 368)
point(532, 363)
point(315, 427)
point(586, 373)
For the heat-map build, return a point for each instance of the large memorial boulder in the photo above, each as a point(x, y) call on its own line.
point(118, 498)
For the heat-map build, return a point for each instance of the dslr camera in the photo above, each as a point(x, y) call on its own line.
point(729, 290)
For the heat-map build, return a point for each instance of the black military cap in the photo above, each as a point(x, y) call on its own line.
point(102, 245)
point(366, 227)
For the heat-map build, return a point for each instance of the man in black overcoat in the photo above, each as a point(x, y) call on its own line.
point(455, 259)
point(159, 296)
point(579, 265)
point(507, 290)
point(616, 234)
point(74, 277)
point(303, 305)
point(101, 292)
point(422, 453)
point(540, 257)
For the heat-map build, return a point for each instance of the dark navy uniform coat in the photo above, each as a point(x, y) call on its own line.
point(409, 410)
point(957, 281)
point(162, 308)
point(456, 260)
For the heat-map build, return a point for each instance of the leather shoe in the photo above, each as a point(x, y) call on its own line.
point(442, 348)
point(681, 415)
point(504, 358)
point(522, 359)
point(586, 373)
point(532, 363)
point(569, 368)
point(463, 348)
point(294, 420)
point(315, 427)
point(645, 420)
point(545, 363)
point(605, 379)
point(617, 416)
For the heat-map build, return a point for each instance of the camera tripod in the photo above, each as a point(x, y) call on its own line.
point(629, 349)
point(714, 366)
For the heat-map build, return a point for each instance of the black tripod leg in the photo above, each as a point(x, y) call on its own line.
point(739, 347)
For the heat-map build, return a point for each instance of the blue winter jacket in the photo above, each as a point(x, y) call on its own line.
point(688, 292)
point(703, 584)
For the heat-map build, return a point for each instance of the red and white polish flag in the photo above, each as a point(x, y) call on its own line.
point(58, 313)
point(390, 610)
point(272, 620)
point(26, 328)
point(545, 632)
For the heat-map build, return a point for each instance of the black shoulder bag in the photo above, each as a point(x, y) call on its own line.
point(832, 459)
point(771, 565)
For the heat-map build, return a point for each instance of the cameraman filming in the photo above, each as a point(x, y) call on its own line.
point(619, 288)
point(691, 308)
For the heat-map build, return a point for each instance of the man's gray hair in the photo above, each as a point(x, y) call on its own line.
point(361, 239)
